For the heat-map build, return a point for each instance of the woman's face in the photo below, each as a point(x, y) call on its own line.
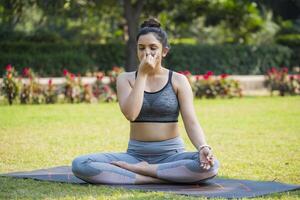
point(148, 44)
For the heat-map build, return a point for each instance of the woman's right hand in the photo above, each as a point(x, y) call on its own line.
point(148, 63)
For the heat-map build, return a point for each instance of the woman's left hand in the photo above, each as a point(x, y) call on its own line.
point(206, 158)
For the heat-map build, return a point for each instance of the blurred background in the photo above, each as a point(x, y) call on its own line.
point(85, 44)
point(225, 36)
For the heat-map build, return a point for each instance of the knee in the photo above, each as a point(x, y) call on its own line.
point(77, 166)
point(84, 166)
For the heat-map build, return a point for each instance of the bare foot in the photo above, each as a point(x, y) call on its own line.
point(141, 179)
point(143, 168)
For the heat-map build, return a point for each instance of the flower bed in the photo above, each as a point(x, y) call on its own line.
point(283, 82)
point(28, 88)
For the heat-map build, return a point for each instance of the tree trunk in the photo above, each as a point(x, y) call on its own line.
point(132, 13)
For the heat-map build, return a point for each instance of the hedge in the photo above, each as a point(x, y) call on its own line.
point(49, 59)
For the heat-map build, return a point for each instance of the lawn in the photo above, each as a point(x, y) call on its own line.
point(255, 138)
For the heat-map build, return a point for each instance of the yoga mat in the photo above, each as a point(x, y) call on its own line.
point(217, 187)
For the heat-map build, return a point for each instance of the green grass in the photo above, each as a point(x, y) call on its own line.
point(255, 138)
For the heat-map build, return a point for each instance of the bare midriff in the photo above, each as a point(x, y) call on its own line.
point(153, 131)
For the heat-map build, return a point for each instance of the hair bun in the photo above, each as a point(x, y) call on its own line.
point(150, 23)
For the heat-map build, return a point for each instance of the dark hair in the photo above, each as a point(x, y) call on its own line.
point(153, 26)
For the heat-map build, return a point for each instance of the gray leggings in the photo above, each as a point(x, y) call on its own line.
point(174, 163)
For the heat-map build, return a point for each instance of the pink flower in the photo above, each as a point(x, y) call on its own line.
point(72, 76)
point(273, 70)
point(50, 82)
point(65, 72)
point(285, 70)
point(8, 68)
point(26, 71)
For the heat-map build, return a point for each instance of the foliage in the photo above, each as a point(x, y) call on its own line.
point(113, 74)
point(31, 91)
point(104, 21)
point(279, 79)
point(10, 86)
point(71, 88)
point(50, 59)
point(230, 59)
point(50, 93)
point(207, 86)
point(72, 91)
point(102, 91)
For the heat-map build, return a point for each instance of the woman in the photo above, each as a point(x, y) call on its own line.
point(151, 99)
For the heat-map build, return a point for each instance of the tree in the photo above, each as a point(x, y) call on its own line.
point(132, 12)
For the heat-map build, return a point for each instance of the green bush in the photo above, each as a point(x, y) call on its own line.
point(289, 39)
point(49, 59)
point(238, 59)
point(293, 42)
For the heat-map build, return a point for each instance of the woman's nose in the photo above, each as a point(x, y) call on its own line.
point(147, 51)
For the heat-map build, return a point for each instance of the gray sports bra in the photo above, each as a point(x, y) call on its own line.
point(161, 106)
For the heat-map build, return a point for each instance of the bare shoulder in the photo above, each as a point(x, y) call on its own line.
point(126, 77)
point(179, 80)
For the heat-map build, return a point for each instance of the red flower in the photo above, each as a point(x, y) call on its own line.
point(206, 76)
point(285, 70)
point(273, 70)
point(291, 77)
point(209, 73)
point(8, 68)
point(65, 72)
point(26, 71)
point(187, 72)
point(223, 76)
point(72, 76)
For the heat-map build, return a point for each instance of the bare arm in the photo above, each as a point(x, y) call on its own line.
point(130, 99)
point(191, 124)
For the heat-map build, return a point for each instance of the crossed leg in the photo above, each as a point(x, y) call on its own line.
point(122, 168)
point(181, 167)
point(97, 168)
